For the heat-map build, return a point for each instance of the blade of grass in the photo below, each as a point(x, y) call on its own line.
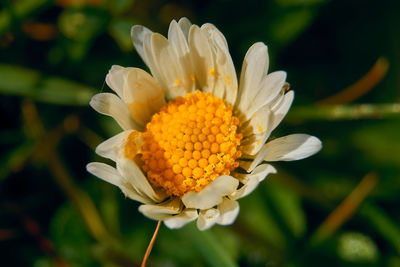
point(207, 245)
point(382, 223)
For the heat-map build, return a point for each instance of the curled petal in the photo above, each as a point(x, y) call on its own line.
point(212, 194)
point(281, 109)
point(112, 147)
point(163, 210)
point(111, 175)
point(207, 218)
point(229, 210)
point(111, 105)
point(269, 89)
point(252, 180)
point(177, 221)
point(135, 177)
point(115, 79)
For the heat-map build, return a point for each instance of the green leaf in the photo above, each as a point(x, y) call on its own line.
point(258, 218)
point(379, 142)
point(288, 206)
point(70, 237)
point(290, 25)
point(5, 20)
point(120, 30)
point(208, 246)
point(29, 83)
point(82, 25)
point(382, 223)
point(14, 159)
point(120, 6)
point(16, 80)
point(44, 262)
point(60, 91)
point(23, 8)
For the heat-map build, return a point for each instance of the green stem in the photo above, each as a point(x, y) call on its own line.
point(345, 112)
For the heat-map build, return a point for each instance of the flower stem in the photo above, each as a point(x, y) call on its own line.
point(345, 112)
point(152, 241)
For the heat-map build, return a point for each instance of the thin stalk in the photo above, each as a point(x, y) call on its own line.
point(151, 244)
point(344, 112)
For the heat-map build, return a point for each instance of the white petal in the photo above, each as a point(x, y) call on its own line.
point(134, 175)
point(255, 66)
point(212, 194)
point(256, 130)
point(163, 210)
point(177, 39)
point(269, 89)
point(138, 34)
point(115, 79)
point(224, 73)
point(207, 218)
point(202, 59)
point(112, 147)
point(111, 105)
point(291, 147)
point(177, 221)
point(173, 72)
point(111, 175)
point(215, 35)
point(281, 109)
point(252, 180)
point(142, 95)
point(228, 209)
point(185, 25)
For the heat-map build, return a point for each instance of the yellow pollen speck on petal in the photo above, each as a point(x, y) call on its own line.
point(177, 82)
point(183, 153)
point(261, 129)
point(228, 80)
point(191, 77)
point(259, 142)
point(211, 71)
point(236, 88)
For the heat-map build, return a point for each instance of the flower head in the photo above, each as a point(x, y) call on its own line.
point(193, 140)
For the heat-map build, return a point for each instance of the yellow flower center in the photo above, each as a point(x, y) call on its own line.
point(189, 143)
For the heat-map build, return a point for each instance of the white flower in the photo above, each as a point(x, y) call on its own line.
point(189, 127)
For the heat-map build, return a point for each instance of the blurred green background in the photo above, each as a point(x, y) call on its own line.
point(338, 208)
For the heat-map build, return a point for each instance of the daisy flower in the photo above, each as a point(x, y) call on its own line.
point(194, 140)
